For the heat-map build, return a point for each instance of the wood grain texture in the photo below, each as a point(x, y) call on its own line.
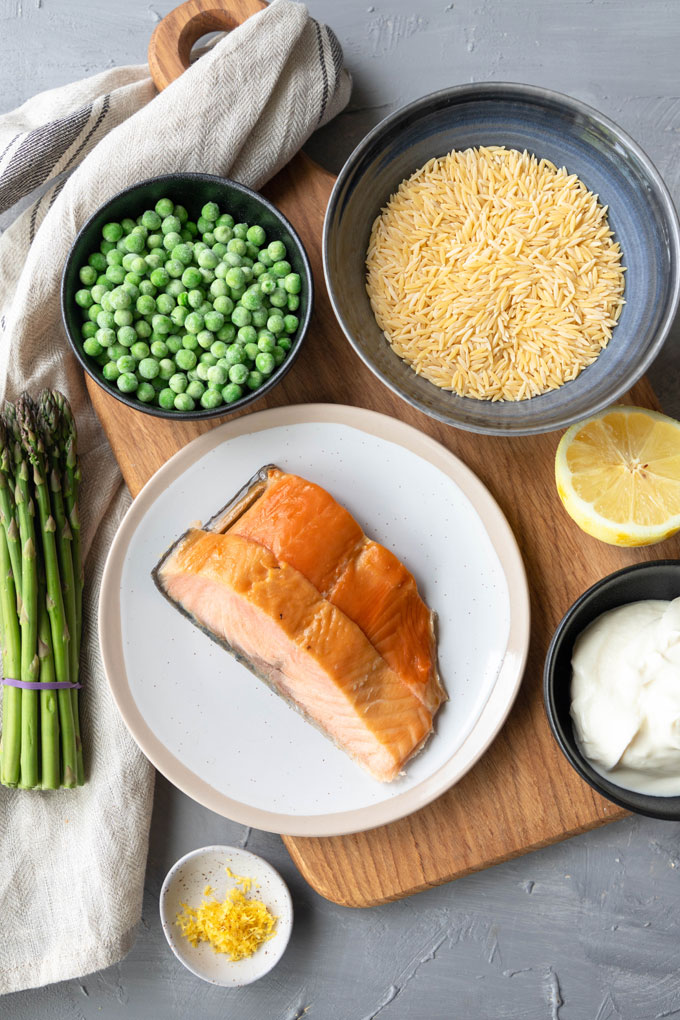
point(522, 795)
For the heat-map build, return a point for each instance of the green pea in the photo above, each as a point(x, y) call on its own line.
point(178, 382)
point(110, 371)
point(151, 220)
point(165, 303)
point(267, 284)
point(292, 283)
point(213, 321)
point(142, 329)
point(196, 389)
point(208, 359)
point(164, 207)
point(190, 342)
point(185, 359)
point(251, 351)
point(260, 316)
point(256, 235)
point(135, 243)
point(232, 393)
point(284, 343)
point(112, 232)
point(227, 333)
point(202, 371)
point(127, 382)
point(92, 347)
point(211, 399)
point(148, 368)
point(276, 251)
point(84, 298)
point(254, 380)
point(172, 241)
point(183, 402)
point(88, 329)
point(127, 336)
point(146, 287)
point(239, 373)
point(123, 317)
point(194, 322)
point(117, 351)
point(279, 298)
point(93, 311)
point(210, 212)
point(207, 259)
point(266, 342)
point(174, 343)
point(276, 324)
point(139, 350)
point(252, 299)
point(153, 242)
point(98, 261)
point(223, 234)
point(126, 364)
point(160, 277)
point(205, 339)
point(171, 224)
point(145, 304)
point(241, 316)
point(145, 392)
point(265, 363)
point(120, 298)
point(159, 349)
point(217, 376)
point(291, 323)
point(116, 274)
point(279, 355)
point(166, 398)
point(97, 293)
point(166, 368)
point(293, 302)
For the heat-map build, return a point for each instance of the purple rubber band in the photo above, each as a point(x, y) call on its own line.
point(37, 685)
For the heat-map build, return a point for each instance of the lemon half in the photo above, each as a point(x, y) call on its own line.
point(618, 475)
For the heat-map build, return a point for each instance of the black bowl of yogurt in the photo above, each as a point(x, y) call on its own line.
point(590, 737)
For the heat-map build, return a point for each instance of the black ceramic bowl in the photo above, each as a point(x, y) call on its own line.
point(550, 125)
point(657, 580)
point(192, 191)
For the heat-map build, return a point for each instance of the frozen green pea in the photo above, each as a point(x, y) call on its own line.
point(185, 359)
point(183, 402)
point(127, 382)
point(207, 259)
point(260, 316)
point(127, 336)
point(234, 355)
point(97, 293)
point(266, 342)
point(223, 234)
point(116, 274)
point(208, 359)
point(148, 368)
point(209, 238)
point(175, 288)
point(183, 253)
point(205, 339)
point(123, 317)
point(166, 368)
point(151, 220)
point(223, 304)
point(279, 298)
point(112, 232)
point(139, 350)
point(279, 355)
point(146, 287)
point(195, 297)
point(210, 212)
point(98, 261)
point(217, 376)
point(88, 329)
point(117, 351)
point(145, 304)
point(227, 333)
point(181, 214)
point(276, 324)
point(241, 316)
point(284, 343)
point(93, 311)
point(211, 399)
point(166, 398)
point(153, 242)
point(239, 373)
point(247, 274)
point(202, 371)
point(92, 347)
point(232, 393)
point(276, 251)
point(218, 349)
point(174, 268)
point(164, 207)
point(110, 371)
point(265, 363)
point(126, 364)
point(190, 342)
point(291, 323)
point(267, 284)
point(127, 261)
point(252, 299)
point(145, 392)
point(135, 243)
point(159, 349)
point(178, 382)
point(196, 389)
point(251, 351)
point(120, 298)
point(159, 277)
point(213, 321)
point(127, 224)
point(165, 303)
point(194, 322)
point(256, 235)
point(174, 343)
point(235, 278)
point(292, 283)
point(293, 302)
point(247, 335)
point(84, 298)
point(281, 270)
point(171, 225)
point(162, 324)
point(170, 242)
point(254, 380)
point(142, 329)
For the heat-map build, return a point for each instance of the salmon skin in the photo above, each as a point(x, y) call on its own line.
point(284, 578)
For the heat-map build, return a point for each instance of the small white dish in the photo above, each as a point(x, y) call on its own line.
point(186, 882)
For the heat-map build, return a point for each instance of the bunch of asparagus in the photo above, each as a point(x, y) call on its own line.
point(41, 586)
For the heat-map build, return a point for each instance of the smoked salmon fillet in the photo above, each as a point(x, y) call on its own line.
point(285, 579)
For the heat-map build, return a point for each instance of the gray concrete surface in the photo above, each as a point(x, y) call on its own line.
point(586, 930)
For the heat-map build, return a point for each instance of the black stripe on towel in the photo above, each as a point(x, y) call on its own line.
point(322, 61)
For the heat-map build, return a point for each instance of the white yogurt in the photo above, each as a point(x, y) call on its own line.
point(626, 696)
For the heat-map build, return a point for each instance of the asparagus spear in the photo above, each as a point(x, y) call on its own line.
point(28, 623)
point(11, 660)
point(49, 709)
point(33, 446)
point(58, 412)
point(7, 517)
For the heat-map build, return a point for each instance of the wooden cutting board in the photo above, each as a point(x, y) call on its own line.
point(522, 794)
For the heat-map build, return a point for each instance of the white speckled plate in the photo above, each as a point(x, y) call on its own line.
point(220, 734)
point(187, 881)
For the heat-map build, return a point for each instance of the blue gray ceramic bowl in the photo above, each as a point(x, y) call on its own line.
point(570, 134)
point(657, 580)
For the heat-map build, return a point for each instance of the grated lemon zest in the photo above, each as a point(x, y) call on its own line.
point(237, 926)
